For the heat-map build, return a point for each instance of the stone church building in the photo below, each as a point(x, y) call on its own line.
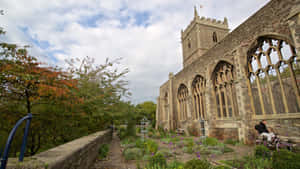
point(232, 80)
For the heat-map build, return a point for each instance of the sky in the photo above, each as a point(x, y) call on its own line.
point(144, 33)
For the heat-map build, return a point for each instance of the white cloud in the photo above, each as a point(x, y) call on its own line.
point(150, 51)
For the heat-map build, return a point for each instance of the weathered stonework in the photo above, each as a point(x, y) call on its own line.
point(207, 44)
point(78, 154)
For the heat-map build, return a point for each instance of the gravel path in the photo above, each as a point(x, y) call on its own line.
point(115, 159)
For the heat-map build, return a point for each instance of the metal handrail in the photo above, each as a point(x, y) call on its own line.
point(10, 138)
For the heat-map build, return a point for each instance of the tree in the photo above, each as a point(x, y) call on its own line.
point(25, 82)
point(148, 109)
point(83, 99)
point(101, 87)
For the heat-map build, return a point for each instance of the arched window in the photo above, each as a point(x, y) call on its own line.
point(182, 99)
point(198, 87)
point(166, 106)
point(223, 80)
point(189, 43)
point(274, 76)
point(215, 38)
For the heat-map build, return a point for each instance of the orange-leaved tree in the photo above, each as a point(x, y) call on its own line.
point(25, 84)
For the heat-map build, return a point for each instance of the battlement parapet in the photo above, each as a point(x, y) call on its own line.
point(205, 21)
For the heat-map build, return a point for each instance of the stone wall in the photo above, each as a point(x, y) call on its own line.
point(78, 154)
point(224, 133)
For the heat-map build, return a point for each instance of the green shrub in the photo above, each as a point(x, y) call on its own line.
point(130, 130)
point(222, 167)
point(130, 145)
point(262, 151)
point(228, 149)
point(151, 146)
point(231, 141)
point(140, 143)
point(127, 140)
point(237, 163)
point(162, 132)
point(175, 139)
point(203, 150)
point(166, 152)
point(261, 163)
point(166, 140)
point(210, 141)
point(132, 153)
point(158, 160)
point(189, 142)
point(147, 157)
point(138, 130)
point(175, 165)
point(103, 151)
point(122, 133)
point(150, 129)
point(197, 164)
point(156, 166)
point(188, 145)
point(285, 159)
point(188, 150)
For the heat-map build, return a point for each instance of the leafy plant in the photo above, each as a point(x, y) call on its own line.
point(262, 151)
point(231, 141)
point(210, 141)
point(203, 150)
point(227, 149)
point(103, 151)
point(285, 159)
point(151, 146)
point(188, 150)
point(140, 143)
point(158, 160)
point(197, 164)
point(175, 165)
point(166, 140)
point(260, 163)
point(155, 166)
point(166, 152)
point(221, 167)
point(132, 153)
point(237, 163)
point(156, 135)
point(189, 142)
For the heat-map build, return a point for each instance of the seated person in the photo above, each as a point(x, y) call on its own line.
point(263, 131)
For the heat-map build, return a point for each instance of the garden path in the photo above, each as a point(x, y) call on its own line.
point(115, 159)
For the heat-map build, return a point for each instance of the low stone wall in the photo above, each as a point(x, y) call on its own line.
point(224, 133)
point(78, 154)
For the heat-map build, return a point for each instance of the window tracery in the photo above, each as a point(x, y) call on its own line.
point(225, 90)
point(274, 75)
point(198, 87)
point(182, 99)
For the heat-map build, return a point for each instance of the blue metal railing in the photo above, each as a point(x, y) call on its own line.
point(10, 138)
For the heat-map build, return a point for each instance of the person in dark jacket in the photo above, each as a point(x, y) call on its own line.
point(263, 131)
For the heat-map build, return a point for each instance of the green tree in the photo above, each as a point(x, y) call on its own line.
point(147, 109)
point(65, 104)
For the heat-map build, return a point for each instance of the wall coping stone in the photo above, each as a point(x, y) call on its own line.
point(60, 155)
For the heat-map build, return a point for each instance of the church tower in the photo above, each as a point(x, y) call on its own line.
point(200, 35)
